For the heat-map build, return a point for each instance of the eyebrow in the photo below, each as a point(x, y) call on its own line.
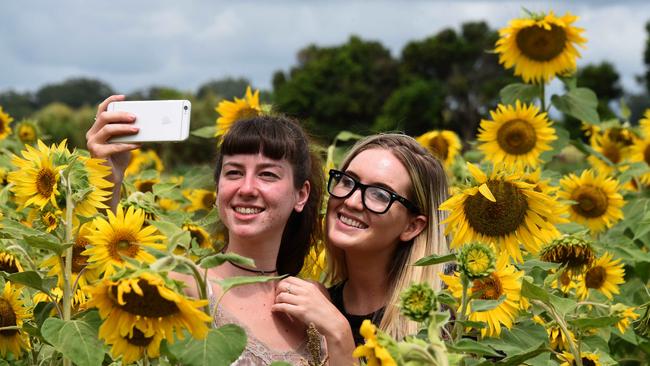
point(375, 184)
point(258, 166)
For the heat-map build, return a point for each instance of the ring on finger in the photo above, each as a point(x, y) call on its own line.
point(289, 289)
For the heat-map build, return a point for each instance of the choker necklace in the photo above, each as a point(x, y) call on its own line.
point(258, 271)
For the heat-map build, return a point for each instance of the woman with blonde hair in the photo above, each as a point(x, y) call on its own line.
point(382, 216)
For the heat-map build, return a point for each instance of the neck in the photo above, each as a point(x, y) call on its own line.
point(263, 252)
point(367, 286)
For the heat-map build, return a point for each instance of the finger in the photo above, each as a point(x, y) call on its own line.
point(285, 297)
point(106, 118)
point(289, 309)
point(103, 151)
point(118, 129)
point(100, 109)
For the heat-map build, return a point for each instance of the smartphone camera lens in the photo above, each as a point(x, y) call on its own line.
point(185, 107)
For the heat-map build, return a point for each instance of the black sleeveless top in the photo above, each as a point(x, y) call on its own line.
point(336, 295)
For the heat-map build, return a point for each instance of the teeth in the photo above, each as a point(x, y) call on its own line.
point(248, 210)
point(352, 222)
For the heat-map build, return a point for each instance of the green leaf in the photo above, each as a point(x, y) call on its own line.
point(75, 339)
point(164, 264)
point(534, 292)
point(44, 243)
point(484, 305)
point(526, 93)
point(447, 299)
point(434, 259)
point(518, 359)
point(210, 218)
point(31, 279)
point(562, 305)
point(558, 144)
point(220, 258)
point(521, 338)
point(466, 345)
point(345, 136)
point(580, 103)
point(528, 265)
point(633, 170)
point(207, 132)
point(598, 322)
point(236, 281)
point(164, 189)
point(222, 346)
point(472, 324)
point(15, 229)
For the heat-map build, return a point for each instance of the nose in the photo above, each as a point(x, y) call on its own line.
point(355, 200)
point(248, 186)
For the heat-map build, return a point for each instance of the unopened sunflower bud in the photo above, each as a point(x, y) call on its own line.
point(417, 302)
point(476, 260)
point(572, 251)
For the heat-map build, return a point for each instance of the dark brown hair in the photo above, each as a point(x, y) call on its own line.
point(277, 138)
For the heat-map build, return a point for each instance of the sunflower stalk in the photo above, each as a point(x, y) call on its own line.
point(67, 270)
point(542, 96)
point(565, 331)
point(458, 327)
point(198, 277)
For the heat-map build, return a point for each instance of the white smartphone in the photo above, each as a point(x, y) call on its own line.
point(158, 120)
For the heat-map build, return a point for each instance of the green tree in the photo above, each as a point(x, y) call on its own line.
point(74, 92)
point(337, 88)
point(158, 93)
point(604, 80)
point(18, 105)
point(226, 88)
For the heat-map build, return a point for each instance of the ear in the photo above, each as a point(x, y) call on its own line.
point(302, 195)
point(413, 228)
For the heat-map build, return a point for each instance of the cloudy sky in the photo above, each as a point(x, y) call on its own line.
point(136, 44)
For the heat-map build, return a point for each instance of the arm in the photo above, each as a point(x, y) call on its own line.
point(308, 302)
point(107, 125)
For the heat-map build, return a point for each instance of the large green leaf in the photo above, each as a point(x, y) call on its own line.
point(222, 346)
point(31, 279)
point(236, 281)
point(220, 258)
point(598, 322)
point(484, 305)
point(580, 103)
point(42, 242)
point(75, 339)
point(472, 346)
point(526, 93)
point(521, 338)
point(534, 292)
point(434, 259)
point(207, 132)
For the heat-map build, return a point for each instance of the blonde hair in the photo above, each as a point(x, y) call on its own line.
point(428, 190)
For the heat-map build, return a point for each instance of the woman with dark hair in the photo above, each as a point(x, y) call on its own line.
point(382, 216)
point(269, 197)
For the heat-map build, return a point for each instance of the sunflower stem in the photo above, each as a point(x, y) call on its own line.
point(543, 96)
point(458, 328)
point(67, 272)
point(201, 281)
point(575, 351)
point(145, 360)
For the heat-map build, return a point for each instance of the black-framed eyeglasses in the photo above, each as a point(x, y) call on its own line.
point(374, 198)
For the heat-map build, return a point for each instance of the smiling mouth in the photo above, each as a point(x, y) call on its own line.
point(248, 210)
point(348, 221)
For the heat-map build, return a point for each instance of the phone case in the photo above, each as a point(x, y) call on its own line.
point(158, 120)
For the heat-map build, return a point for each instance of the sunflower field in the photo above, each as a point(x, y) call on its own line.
point(550, 238)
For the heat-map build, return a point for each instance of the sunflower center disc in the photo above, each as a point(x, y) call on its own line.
point(646, 154)
point(440, 147)
point(595, 277)
point(208, 200)
point(587, 362)
point(565, 279)
point(478, 262)
point(79, 261)
point(592, 201)
point(200, 239)
point(145, 187)
point(123, 244)
point(138, 338)
point(498, 218)
point(150, 304)
point(517, 137)
point(7, 318)
point(613, 153)
point(488, 288)
point(541, 44)
point(45, 182)
point(8, 265)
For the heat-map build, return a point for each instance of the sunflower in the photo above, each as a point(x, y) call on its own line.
point(644, 123)
point(315, 265)
point(168, 204)
point(598, 203)
point(640, 152)
point(122, 235)
point(371, 350)
point(145, 185)
point(5, 120)
point(96, 173)
point(572, 251)
point(605, 276)
point(200, 199)
point(199, 234)
point(540, 47)
point(504, 281)
point(559, 342)
point(144, 301)
point(133, 347)
point(476, 260)
point(587, 358)
point(79, 298)
point(12, 313)
point(27, 131)
point(502, 210)
point(231, 112)
point(36, 179)
point(516, 135)
point(143, 160)
point(564, 281)
point(445, 145)
point(625, 314)
point(615, 151)
point(9, 263)
point(79, 260)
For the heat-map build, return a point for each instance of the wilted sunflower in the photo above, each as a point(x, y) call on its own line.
point(573, 252)
point(133, 347)
point(200, 199)
point(36, 179)
point(615, 151)
point(374, 353)
point(640, 152)
point(5, 120)
point(598, 203)
point(79, 261)
point(587, 358)
point(559, 342)
point(122, 235)
point(502, 210)
point(231, 112)
point(504, 281)
point(9, 263)
point(516, 136)
point(12, 313)
point(142, 160)
point(540, 47)
point(144, 301)
point(605, 276)
point(625, 315)
point(445, 145)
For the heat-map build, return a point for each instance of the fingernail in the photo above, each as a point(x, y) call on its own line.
point(135, 129)
point(132, 116)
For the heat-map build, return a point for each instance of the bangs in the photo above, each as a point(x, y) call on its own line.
point(268, 135)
